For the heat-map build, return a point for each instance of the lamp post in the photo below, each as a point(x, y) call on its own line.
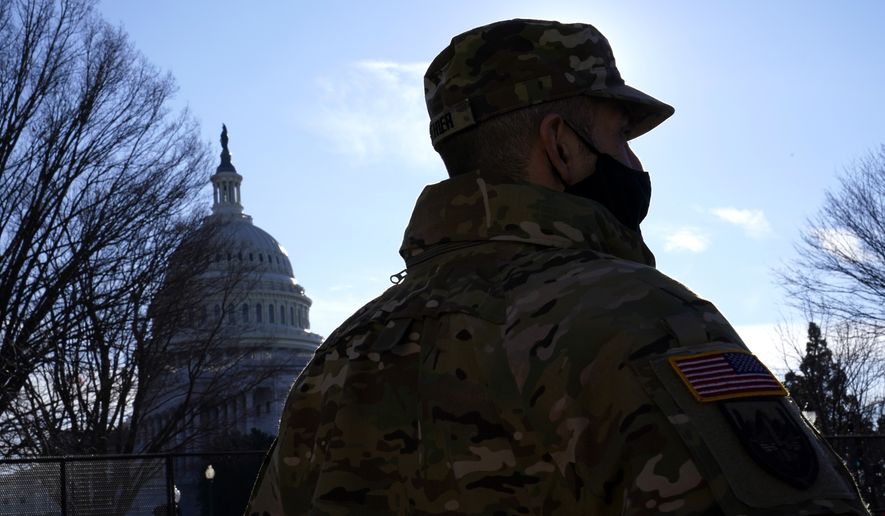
point(811, 416)
point(210, 476)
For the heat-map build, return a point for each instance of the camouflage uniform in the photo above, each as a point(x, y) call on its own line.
point(531, 363)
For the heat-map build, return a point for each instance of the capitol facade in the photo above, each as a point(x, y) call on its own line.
point(248, 325)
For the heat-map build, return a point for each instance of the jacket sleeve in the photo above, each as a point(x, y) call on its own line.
point(265, 497)
point(594, 363)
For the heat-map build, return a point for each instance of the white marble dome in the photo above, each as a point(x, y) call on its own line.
point(249, 243)
point(270, 308)
point(248, 301)
point(269, 302)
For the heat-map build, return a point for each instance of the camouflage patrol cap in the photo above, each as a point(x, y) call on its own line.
point(508, 65)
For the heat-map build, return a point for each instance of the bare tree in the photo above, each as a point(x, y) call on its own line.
point(106, 260)
point(100, 186)
point(93, 170)
point(860, 353)
point(145, 368)
point(841, 264)
point(98, 180)
point(837, 373)
point(838, 280)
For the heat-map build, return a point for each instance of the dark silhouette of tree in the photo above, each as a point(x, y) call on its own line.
point(822, 385)
point(100, 187)
point(105, 253)
point(839, 279)
point(841, 264)
point(95, 175)
point(153, 372)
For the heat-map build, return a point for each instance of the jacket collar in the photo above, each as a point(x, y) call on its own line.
point(470, 208)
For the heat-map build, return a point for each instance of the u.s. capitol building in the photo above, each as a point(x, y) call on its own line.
point(245, 333)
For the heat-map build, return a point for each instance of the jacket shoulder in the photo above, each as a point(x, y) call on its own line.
point(586, 293)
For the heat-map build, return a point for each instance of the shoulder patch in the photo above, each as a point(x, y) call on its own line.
point(751, 445)
point(723, 375)
point(773, 438)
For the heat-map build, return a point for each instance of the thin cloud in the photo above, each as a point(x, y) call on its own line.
point(686, 239)
point(373, 111)
point(753, 222)
point(842, 244)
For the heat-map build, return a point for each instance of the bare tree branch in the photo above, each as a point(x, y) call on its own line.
point(838, 279)
point(100, 184)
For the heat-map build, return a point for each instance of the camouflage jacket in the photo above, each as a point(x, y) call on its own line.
point(525, 365)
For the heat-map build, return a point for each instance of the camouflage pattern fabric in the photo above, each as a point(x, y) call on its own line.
point(521, 368)
point(512, 64)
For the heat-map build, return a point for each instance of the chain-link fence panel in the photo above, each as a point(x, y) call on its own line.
point(113, 487)
point(30, 488)
point(148, 485)
point(87, 486)
point(136, 485)
point(865, 457)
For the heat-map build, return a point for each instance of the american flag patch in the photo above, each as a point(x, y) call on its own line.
point(722, 375)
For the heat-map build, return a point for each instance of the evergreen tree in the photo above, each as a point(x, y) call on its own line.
point(821, 385)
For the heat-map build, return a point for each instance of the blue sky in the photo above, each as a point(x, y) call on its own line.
point(324, 105)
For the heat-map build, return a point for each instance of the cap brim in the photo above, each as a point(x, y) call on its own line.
point(646, 112)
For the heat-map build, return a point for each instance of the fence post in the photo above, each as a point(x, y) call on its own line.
point(170, 486)
point(64, 487)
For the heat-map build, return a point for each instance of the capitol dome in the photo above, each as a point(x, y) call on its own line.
point(266, 304)
point(257, 246)
point(245, 333)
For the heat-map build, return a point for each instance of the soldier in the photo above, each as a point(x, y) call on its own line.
point(532, 360)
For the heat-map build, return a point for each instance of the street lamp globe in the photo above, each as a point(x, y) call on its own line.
point(210, 472)
point(811, 416)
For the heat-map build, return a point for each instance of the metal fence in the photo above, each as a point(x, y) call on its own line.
point(147, 485)
point(137, 485)
point(865, 457)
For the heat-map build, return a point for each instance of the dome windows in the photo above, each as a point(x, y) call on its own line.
point(283, 313)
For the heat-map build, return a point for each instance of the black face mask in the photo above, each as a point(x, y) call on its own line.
point(624, 191)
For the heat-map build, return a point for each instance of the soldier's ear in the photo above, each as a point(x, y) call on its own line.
point(560, 147)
